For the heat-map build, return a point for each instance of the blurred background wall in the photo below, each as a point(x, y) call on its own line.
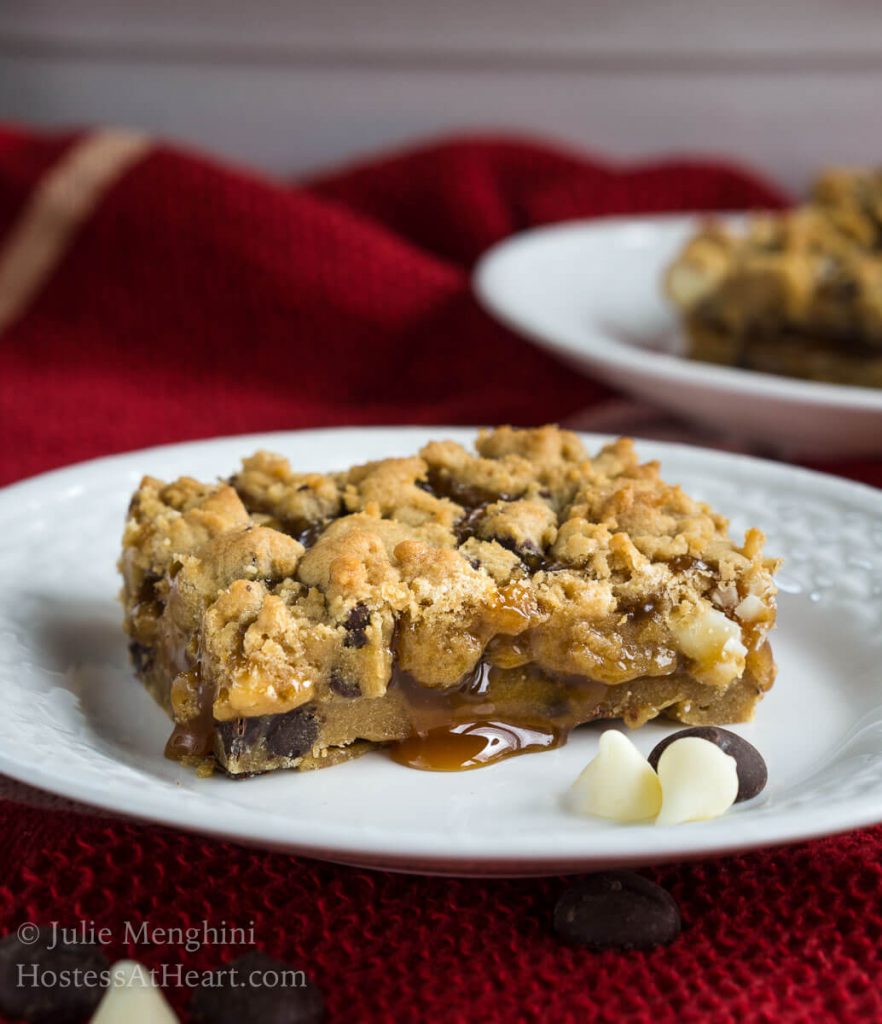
point(780, 84)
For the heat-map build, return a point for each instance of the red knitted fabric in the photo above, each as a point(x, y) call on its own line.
point(198, 300)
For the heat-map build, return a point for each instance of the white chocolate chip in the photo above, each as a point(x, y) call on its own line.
point(725, 595)
point(705, 634)
point(133, 998)
point(617, 783)
point(698, 781)
point(751, 609)
point(689, 282)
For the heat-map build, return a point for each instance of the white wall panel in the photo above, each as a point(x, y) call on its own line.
point(293, 86)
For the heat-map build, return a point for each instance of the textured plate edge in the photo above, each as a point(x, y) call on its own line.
point(415, 859)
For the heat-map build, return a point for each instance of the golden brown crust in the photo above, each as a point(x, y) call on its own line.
point(296, 501)
point(526, 554)
point(392, 488)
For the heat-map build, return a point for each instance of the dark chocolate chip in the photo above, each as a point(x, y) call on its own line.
point(308, 533)
point(467, 525)
point(553, 566)
point(617, 910)
point(240, 735)
point(255, 987)
point(752, 771)
point(292, 734)
point(527, 551)
point(446, 486)
point(30, 988)
point(344, 687)
point(640, 610)
point(142, 656)
point(355, 624)
point(147, 589)
point(687, 563)
point(358, 618)
point(289, 735)
point(424, 485)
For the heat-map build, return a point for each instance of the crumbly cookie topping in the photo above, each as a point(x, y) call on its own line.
point(288, 589)
point(814, 272)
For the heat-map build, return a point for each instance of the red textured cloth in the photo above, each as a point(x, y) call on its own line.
point(197, 300)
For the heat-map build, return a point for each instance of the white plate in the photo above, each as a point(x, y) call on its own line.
point(590, 291)
point(75, 721)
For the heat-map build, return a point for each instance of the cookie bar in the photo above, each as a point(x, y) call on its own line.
point(459, 605)
point(797, 293)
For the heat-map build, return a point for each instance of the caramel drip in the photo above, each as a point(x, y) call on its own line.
point(461, 746)
point(193, 737)
point(188, 741)
point(461, 728)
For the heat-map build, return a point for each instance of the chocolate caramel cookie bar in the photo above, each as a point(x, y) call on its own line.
point(457, 605)
point(796, 293)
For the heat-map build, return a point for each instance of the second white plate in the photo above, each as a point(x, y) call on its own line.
point(590, 291)
point(76, 722)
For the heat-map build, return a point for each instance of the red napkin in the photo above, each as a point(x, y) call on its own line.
point(192, 300)
point(148, 295)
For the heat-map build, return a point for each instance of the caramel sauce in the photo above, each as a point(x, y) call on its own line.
point(193, 737)
point(460, 728)
point(188, 740)
point(464, 745)
point(513, 609)
point(510, 652)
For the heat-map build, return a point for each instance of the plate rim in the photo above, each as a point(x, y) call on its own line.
point(855, 812)
point(605, 352)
